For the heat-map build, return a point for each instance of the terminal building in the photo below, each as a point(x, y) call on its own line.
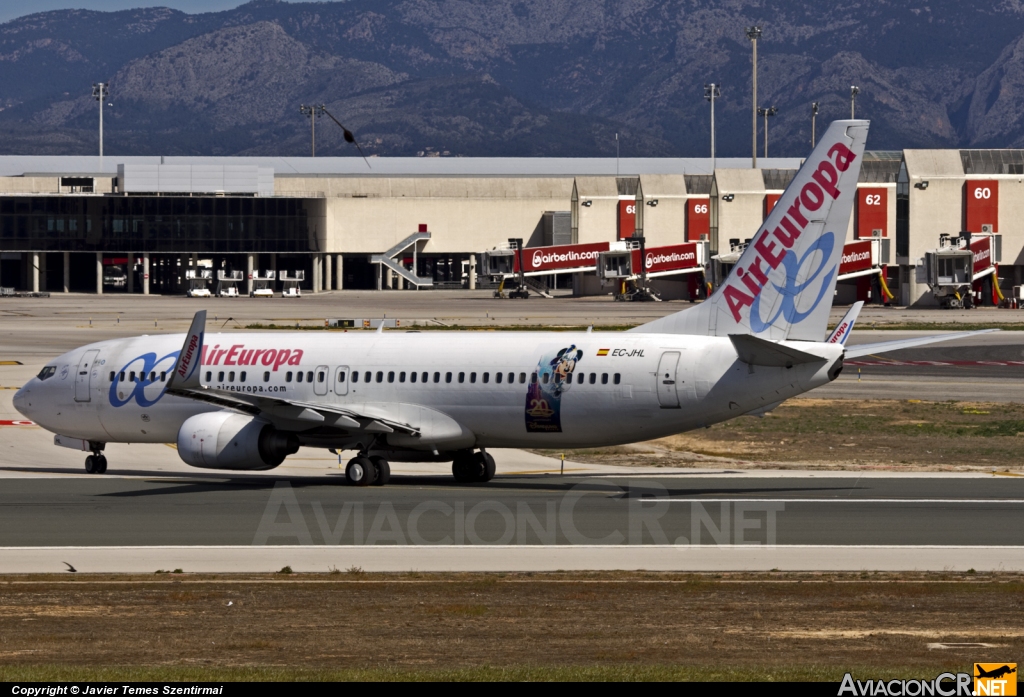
point(170, 225)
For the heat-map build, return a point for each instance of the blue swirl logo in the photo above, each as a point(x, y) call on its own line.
point(147, 389)
point(791, 290)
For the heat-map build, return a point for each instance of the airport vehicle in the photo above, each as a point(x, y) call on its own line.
point(198, 292)
point(246, 401)
point(228, 292)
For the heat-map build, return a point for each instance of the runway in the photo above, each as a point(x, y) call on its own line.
point(154, 512)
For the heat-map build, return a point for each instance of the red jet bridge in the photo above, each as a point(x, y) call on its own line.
point(503, 262)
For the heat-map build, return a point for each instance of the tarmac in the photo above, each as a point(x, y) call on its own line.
point(151, 511)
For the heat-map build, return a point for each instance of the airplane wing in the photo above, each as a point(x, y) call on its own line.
point(886, 346)
point(184, 382)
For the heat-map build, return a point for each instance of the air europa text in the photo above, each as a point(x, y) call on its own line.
point(773, 246)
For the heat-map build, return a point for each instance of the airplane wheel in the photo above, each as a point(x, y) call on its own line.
point(360, 471)
point(101, 464)
point(383, 468)
point(483, 467)
point(463, 468)
point(90, 464)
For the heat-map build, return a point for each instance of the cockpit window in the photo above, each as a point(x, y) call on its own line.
point(47, 372)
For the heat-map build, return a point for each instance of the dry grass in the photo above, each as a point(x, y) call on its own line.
point(843, 434)
point(516, 626)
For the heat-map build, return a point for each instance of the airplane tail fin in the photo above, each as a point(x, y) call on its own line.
point(782, 285)
point(186, 369)
point(842, 331)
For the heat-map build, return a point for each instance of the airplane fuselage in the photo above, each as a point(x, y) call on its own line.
point(543, 389)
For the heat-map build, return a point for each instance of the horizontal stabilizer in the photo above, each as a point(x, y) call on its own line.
point(756, 351)
point(886, 346)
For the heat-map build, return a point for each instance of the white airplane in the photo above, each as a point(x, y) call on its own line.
point(246, 401)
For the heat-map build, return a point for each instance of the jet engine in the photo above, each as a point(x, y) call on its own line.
point(230, 441)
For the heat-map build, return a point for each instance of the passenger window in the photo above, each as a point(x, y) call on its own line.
point(209, 375)
point(593, 378)
point(241, 378)
point(309, 376)
point(437, 377)
point(321, 376)
point(298, 376)
point(401, 376)
point(220, 376)
point(380, 376)
point(447, 377)
point(341, 376)
point(163, 376)
point(266, 376)
point(618, 378)
point(41, 372)
point(472, 377)
point(424, 377)
point(355, 376)
point(497, 378)
point(391, 376)
point(152, 376)
point(511, 378)
point(288, 376)
point(522, 378)
point(366, 376)
point(604, 378)
point(533, 378)
point(412, 376)
point(231, 376)
point(568, 378)
point(462, 377)
point(545, 378)
point(131, 376)
point(487, 378)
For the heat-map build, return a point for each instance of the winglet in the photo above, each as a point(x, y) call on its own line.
point(842, 331)
point(186, 369)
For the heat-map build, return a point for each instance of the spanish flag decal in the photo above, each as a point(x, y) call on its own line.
point(603, 352)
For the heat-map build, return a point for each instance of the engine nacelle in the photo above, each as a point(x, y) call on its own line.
point(228, 441)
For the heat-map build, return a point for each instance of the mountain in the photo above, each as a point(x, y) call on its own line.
point(511, 77)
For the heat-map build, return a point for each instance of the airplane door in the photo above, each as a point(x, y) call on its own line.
point(341, 379)
point(320, 380)
point(83, 378)
point(668, 397)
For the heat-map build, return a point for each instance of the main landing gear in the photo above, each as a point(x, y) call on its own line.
point(473, 467)
point(96, 463)
point(364, 471)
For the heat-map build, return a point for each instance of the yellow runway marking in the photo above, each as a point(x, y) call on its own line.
point(11, 363)
point(1007, 474)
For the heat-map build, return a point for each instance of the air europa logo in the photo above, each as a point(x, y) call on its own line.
point(775, 248)
point(840, 332)
point(193, 342)
point(238, 354)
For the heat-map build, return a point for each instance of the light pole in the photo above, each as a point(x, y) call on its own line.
point(711, 93)
point(616, 154)
point(770, 111)
point(754, 33)
point(100, 92)
point(814, 119)
point(313, 112)
point(854, 91)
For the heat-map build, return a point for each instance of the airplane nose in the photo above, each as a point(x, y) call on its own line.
point(22, 403)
